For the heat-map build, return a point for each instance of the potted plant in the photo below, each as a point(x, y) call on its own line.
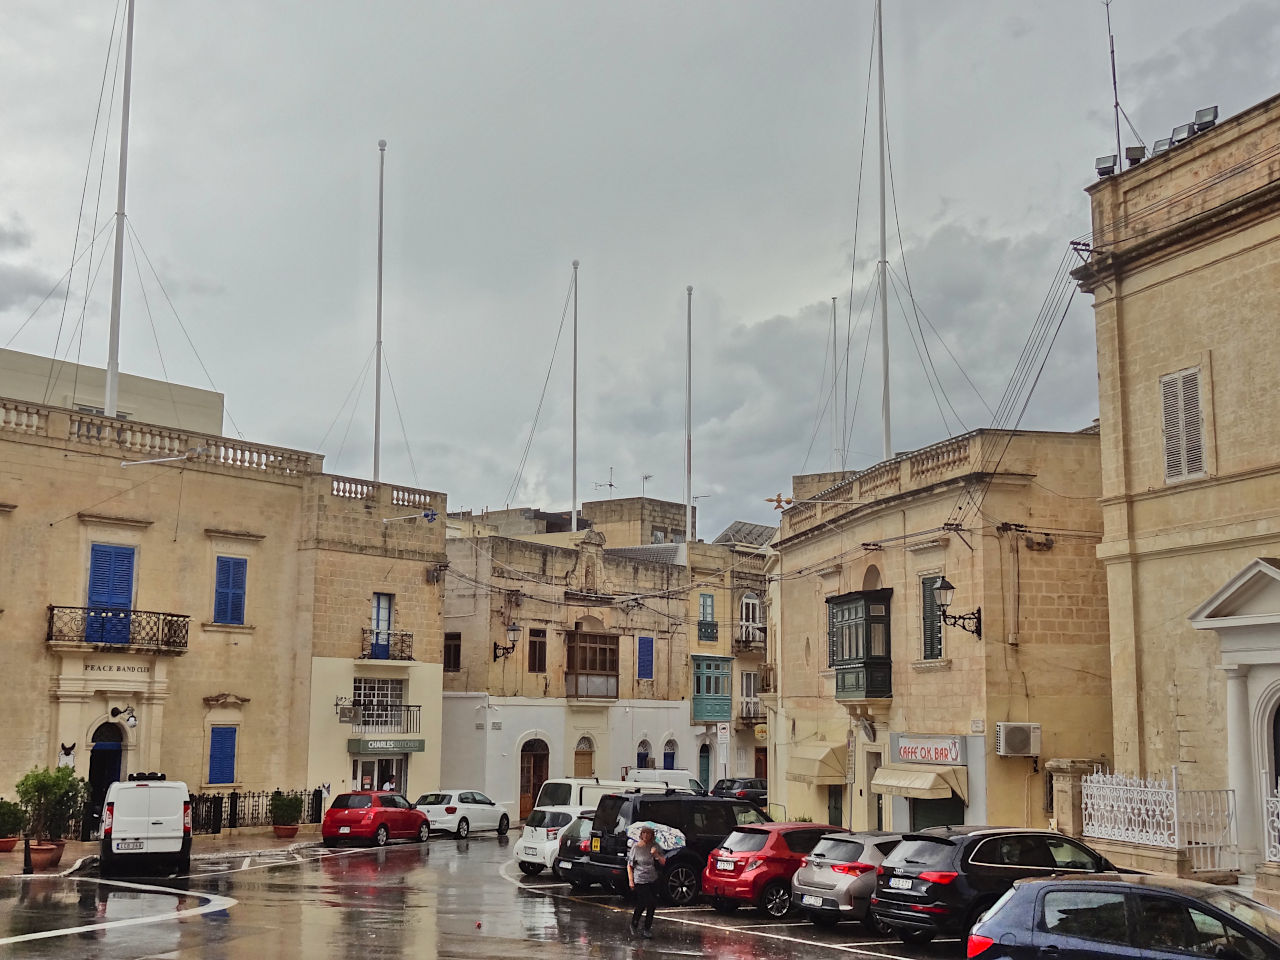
point(286, 811)
point(13, 820)
point(52, 800)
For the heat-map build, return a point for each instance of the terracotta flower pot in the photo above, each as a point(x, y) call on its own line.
point(285, 831)
point(8, 843)
point(45, 854)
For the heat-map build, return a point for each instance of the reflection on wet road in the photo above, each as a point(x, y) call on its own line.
point(451, 898)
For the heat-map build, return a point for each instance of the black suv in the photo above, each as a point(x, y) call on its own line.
point(704, 821)
point(757, 791)
point(938, 881)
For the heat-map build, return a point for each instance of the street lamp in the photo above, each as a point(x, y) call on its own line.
point(130, 720)
point(943, 592)
point(513, 634)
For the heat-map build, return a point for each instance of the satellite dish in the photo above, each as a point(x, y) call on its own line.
point(868, 729)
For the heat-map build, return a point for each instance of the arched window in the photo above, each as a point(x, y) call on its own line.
point(643, 749)
point(669, 755)
point(584, 758)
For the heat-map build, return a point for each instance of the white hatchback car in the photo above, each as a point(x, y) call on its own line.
point(540, 842)
point(461, 811)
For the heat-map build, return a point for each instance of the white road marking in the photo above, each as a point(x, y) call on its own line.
point(214, 902)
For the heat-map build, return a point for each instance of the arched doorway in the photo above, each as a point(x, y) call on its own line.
point(534, 761)
point(669, 755)
point(106, 758)
point(584, 758)
point(643, 751)
point(1275, 753)
point(704, 765)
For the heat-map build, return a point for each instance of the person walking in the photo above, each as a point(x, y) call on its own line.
point(642, 873)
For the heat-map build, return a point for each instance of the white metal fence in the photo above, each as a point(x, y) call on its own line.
point(1157, 813)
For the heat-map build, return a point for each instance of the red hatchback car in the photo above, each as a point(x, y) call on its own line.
point(373, 817)
point(755, 864)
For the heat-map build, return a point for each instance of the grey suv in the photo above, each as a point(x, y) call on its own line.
point(837, 879)
point(704, 821)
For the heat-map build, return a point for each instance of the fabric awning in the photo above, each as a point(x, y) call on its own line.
point(924, 781)
point(817, 763)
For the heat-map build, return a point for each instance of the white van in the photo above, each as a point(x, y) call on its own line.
point(681, 780)
point(587, 791)
point(146, 823)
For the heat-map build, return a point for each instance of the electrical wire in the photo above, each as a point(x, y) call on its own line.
point(154, 334)
point(408, 449)
point(360, 378)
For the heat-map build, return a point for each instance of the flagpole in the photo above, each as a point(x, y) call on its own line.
point(110, 400)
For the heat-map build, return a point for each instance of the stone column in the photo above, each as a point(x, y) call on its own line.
point(1068, 807)
point(1240, 773)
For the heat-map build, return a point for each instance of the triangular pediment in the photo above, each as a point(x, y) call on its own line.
point(1252, 596)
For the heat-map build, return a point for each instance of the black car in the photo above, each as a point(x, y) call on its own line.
point(1115, 915)
point(574, 852)
point(939, 880)
point(757, 791)
point(704, 821)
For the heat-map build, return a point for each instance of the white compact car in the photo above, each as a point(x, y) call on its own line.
point(461, 811)
point(540, 841)
point(146, 821)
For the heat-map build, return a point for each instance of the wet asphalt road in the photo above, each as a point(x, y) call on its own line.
point(450, 898)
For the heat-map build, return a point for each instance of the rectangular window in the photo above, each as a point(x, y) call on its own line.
point(644, 658)
point(537, 651)
point(706, 607)
point(1183, 425)
point(930, 624)
point(592, 665)
point(222, 755)
point(750, 686)
point(452, 653)
point(229, 588)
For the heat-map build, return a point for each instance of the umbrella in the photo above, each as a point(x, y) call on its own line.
point(668, 838)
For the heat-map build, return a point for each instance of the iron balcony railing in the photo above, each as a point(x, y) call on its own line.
point(751, 712)
point(749, 638)
point(374, 716)
point(386, 645)
point(708, 631)
point(124, 629)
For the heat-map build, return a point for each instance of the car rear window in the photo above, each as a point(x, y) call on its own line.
point(842, 851)
point(745, 841)
point(434, 799)
point(555, 795)
point(745, 814)
point(607, 813)
point(351, 801)
point(547, 818)
point(920, 852)
point(576, 830)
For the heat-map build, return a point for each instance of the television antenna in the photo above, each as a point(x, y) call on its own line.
point(644, 477)
point(607, 483)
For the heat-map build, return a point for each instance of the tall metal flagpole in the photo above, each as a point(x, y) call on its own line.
point(835, 376)
point(574, 510)
point(884, 255)
point(377, 383)
point(117, 270)
point(1115, 87)
point(688, 418)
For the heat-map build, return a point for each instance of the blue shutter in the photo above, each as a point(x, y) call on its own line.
point(222, 755)
point(644, 658)
point(229, 588)
point(111, 576)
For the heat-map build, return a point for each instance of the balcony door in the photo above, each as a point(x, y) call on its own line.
point(380, 642)
point(110, 594)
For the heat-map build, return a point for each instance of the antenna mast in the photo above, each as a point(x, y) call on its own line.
point(377, 381)
point(688, 417)
point(573, 510)
point(1115, 87)
point(110, 400)
point(884, 246)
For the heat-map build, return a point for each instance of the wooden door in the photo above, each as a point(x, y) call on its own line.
point(762, 763)
point(534, 761)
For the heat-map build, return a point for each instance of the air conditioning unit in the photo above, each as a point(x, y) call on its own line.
point(1017, 739)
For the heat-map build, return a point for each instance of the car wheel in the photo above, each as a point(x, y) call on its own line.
point(682, 885)
point(424, 832)
point(721, 905)
point(529, 869)
point(580, 884)
point(775, 901)
point(381, 836)
point(914, 936)
point(464, 829)
point(330, 842)
point(824, 919)
point(183, 867)
point(504, 825)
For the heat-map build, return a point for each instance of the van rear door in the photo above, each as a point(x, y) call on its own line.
point(165, 820)
point(131, 818)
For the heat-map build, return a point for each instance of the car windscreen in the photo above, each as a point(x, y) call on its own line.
point(745, 841)
point(434, 799)
point(1249, 911)
point(840, 851)
point(548, 818)
point(576, 830)
point(351, 801)
point(607, 813)
point(555, 795)
point(920, 852)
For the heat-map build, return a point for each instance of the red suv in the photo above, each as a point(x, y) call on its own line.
point(373, 816)
point(755, 865)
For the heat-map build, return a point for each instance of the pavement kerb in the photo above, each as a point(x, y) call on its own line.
point(90, 860)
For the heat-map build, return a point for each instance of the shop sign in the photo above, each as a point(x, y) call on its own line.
point(116, 667)
point(361, 745)
point(945, 750)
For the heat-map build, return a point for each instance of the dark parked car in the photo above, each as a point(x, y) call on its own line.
point(755, 865)
point(938, 881)
point(835, 882)
point(574, 852)
point(705, 822)
point(1115, 915)
point(757, 791)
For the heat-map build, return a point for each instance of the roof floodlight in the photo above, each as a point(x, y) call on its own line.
point(1135, 155)
point(1106, 166)
point(1162, 146)
point(1182, 132)
point(1206, 118)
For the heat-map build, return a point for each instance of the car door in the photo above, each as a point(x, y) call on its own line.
point(1074, 923)
point(396, 813)
point(996, 862)
point(486, 811)
point(1173, 929)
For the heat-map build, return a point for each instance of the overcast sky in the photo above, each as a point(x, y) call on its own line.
point(716, 144)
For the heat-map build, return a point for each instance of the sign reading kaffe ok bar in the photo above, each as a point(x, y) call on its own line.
point(947, 750)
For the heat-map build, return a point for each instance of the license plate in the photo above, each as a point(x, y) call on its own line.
point(344, 829)
point(811, 901)
point(566, 865)
point(900, 883)
point(129, 845)
point(595, 844)
point(530, 851)
point(724, 864)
